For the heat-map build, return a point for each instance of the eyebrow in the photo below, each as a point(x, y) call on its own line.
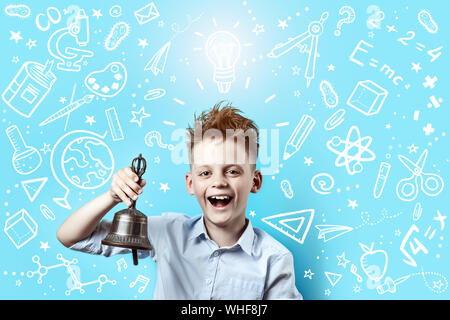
point(204, 166)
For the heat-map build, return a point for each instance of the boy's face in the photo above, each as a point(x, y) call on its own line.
point(221, 180)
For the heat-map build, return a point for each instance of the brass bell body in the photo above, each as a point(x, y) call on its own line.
point(128, 230)
point(129, 227)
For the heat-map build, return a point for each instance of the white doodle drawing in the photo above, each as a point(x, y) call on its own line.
point(20, 228)
point(115, 11)
point(390, 285)
point(114, 124)
point(158, 61)
point(107, 82)
point(430, 183)
point(374, 21)
point(367, 97)
point(25, 159)
point(322, 183)
point(50, 13)
point(138, 116)
point(354, 271)
point(83, 159)
point(352, 151)
point(142, 279)
point(294, 224)
point(155, 94)
point(380, 182)
point(333, 278)
point(371, 257)
point(287, 189)
point(315, 29)
point(74, 275)
point(72, 106)
point(223, 50)
point(68, 50)
point(147, 13)
point(29, 87)
point(117, 34)
point(33, 187)
point(350, 18)
point(330, 97)
point(417, 213)
point(156, 136)
point(46, 212)
point(19, 10)
point(298, 136)
point(121, 263)
point(427, 21)
point(328, 232)
point(334, 120)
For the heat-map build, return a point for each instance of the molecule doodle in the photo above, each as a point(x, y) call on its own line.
point(77, 284)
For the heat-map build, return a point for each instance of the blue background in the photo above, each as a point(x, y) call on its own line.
point(393, 129)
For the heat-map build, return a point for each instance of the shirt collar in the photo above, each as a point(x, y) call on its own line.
point(245, 241)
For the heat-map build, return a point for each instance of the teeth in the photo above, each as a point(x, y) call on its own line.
point(221, 197)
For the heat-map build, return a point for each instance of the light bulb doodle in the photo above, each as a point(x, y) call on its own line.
point(223, 50)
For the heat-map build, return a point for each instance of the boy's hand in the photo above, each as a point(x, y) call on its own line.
point(125, 185)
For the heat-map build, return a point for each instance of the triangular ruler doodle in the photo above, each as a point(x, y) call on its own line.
point(33, 187)
point(294, 224)
point(158, 62)
point(333, 277)
point(328, 232)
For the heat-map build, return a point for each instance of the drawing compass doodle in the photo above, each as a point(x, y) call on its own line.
point(315, 29)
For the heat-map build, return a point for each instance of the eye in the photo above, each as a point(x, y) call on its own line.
point(233, 172)
point(204, 173)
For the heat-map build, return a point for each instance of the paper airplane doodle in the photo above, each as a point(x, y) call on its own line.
point(158, 62)
point(333, 277)
point(328, 232)
point(294, 224)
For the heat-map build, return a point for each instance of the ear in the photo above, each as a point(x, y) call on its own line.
point(257, 181)
point(189, 183)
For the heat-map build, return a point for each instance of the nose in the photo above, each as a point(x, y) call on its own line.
point(220, 181)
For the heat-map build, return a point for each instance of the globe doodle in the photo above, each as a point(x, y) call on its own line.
point(87, 163)
point(352, 151)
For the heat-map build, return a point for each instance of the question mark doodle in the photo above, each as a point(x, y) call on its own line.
point(157, 136)
point(351, 16)
point(373, 22)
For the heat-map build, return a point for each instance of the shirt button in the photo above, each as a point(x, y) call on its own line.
point(216, 253)
point(208, 281)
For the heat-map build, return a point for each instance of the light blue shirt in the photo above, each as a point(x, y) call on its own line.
point(192, 266)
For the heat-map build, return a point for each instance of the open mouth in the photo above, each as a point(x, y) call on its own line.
point(220, 201)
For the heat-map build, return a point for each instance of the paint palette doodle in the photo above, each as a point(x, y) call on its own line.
point(107, 82)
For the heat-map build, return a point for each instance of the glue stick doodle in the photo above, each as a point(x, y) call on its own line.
point(157, 136)
point(383, 173)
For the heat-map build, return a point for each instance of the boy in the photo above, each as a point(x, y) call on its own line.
point(217, 255)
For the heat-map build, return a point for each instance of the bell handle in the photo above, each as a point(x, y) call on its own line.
point(135, 257)
point(138, 166)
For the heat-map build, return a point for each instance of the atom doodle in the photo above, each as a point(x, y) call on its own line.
point(355, 150)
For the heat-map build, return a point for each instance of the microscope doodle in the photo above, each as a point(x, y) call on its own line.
point(70, 57)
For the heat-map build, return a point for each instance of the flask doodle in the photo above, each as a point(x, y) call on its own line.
point(351, 16)
point(155, 135)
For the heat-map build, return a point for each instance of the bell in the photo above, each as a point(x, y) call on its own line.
point(129, 227)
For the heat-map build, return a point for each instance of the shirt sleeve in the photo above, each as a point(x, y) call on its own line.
point(281, 280)
point(93, 243)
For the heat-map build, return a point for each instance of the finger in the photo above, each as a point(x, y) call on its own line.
point(122, 196)
point(143, 183)
point(128, 191)
point(131, 174)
